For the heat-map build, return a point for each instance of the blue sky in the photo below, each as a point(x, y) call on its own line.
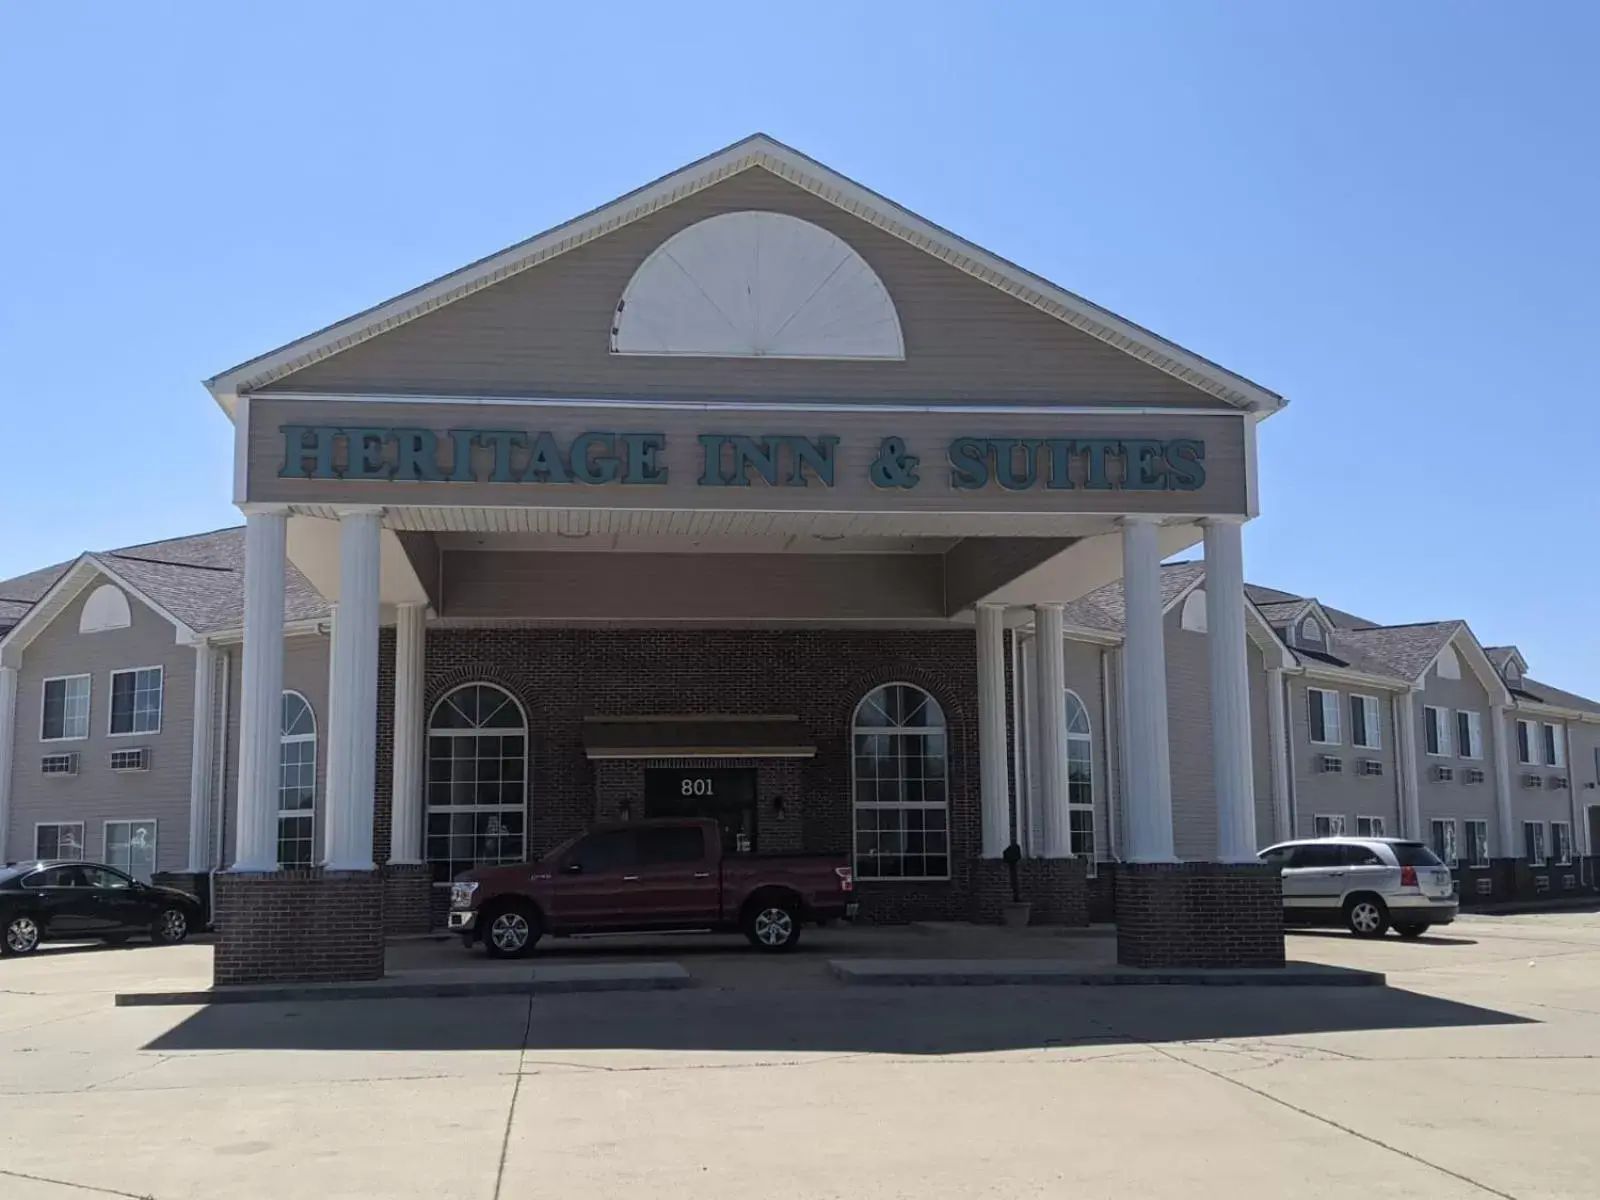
point(1384, 212)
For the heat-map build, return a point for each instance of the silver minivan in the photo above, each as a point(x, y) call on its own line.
point(1364, 884)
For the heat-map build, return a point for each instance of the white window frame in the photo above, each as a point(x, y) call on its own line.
point(1565, 859)
point(1085, 741)
point(83, 848)
point(1371, 720)
point(1453, 858)
point(1544, 843)
point(161, 701)
point(1338, 733)
point(1474, 751)
point(1371, 821)
point(88, 711)
point(155, 844)
point(1483, 825)
point(297, 814)
point(1553, 744)
point(856, 805)
point(523, 731)
point(1528, 734)
point(1441, 725)
point(1336, 824)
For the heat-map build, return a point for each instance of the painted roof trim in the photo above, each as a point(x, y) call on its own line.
point(83, 571)
point(1492, 681)
point(789, 164)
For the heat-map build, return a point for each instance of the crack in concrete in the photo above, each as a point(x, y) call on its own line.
point(511, 1109)
point(82, 1187)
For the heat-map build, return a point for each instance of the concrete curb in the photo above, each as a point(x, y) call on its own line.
point(597, 977)
point(955, 972)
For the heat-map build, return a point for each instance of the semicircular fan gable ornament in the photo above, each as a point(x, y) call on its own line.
point(757, 285)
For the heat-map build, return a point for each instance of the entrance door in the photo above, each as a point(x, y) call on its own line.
point(725, 793)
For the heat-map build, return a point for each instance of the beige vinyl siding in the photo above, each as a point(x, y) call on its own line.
point(1458, 798)
point(546, 331)
point(96, 794)
point(1348, 794)
point(305, 670)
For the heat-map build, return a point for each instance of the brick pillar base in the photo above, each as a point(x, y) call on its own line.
point(193, 883)
point(1503, 871)
point(407, 897)
point(1199, 915)
point(1057, 888)
point(297, 926)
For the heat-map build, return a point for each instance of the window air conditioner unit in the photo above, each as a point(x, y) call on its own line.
point(1474, 775)
point(1485, 886)
point(1541, 883)
point(58, 764)
point(1442, 774)
point(131, 760)
point(1370, 766)
point(1533, 781)
point(1558, 783)
point(1330, 764)
point(1569, 882)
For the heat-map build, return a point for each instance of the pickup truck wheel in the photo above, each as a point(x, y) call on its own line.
point(772, 925)
point(511, 931)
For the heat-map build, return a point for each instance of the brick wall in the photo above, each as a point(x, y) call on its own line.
point(1056, 887)
point(1199, 915)
point(407, 899)
point(561, 676)
point(290, 926)
point(619, 794)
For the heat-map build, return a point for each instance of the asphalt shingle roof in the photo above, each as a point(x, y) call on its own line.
point(1405, 649)
point(1543, 693)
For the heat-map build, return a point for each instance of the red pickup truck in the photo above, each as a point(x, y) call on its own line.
point(648, 876)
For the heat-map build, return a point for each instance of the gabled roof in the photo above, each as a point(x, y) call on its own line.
point(763, 152)
point(1501, 655)
point(21, 593)
point(1543, 693)
point(1408, 650)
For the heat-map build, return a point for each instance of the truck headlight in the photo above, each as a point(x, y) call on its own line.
point(461, 894)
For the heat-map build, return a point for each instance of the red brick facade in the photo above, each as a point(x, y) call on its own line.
point(294, 926)
point(1199, 915)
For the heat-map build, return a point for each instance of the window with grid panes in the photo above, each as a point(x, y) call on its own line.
point(900, 775)
point(1080, 778)
point(136, 701)
point(1477, 849)
point(477, 781)
point(297, 783)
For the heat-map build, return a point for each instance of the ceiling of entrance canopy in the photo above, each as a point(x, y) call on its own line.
point(757, 285)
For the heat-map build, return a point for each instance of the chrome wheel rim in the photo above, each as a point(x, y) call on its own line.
point(774, 926)
point(1364, 917)
point(174, 925)
point(510, 931)
point(22, 935)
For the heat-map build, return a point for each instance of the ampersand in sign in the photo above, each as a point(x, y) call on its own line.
point(893, 466)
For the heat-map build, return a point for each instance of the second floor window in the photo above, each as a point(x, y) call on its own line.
point(136, 701)
point(1322, 710)
point(66, 709)
point(1469, 734)
point(1526, 744)
point(1365, 728)
point(1555, 746)
point(1436, 731)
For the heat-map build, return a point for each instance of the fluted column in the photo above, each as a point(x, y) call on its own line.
point(405, 818)
point(1278, 728)
point(994, 771)
point(1232, 765)
point(1509, 843)
point(201, 753)
point(260, 691)
point(353, 694)
point(1050, 708)
point(1148, 801)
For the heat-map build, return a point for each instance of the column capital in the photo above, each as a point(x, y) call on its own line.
point(1224, 519)
point(254, 509)
point(358, 510)
point(1140, 519)
point(1048, 606)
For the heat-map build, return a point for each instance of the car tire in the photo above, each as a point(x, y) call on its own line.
point(772, 925)
point(510, 930)
point(1410, 930)
point(21, 935)
point(170, 928)
point(1366, 916)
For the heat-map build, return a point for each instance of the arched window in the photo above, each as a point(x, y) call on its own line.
point(477, 781)
point(1449, 663)
point(1080, 777)
point(297, 782)
point(106, 608)
point(1193, 617)
point(901, 785)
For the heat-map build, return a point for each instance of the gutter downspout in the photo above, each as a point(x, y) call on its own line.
point(1278, 743)
point(220, 763)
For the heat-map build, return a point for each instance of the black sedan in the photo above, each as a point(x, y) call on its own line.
point(79, 901)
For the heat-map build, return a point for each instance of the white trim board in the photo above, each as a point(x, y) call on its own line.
point(756, 151)
point(50, 606)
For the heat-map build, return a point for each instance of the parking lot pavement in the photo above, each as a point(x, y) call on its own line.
point(1472, 1074)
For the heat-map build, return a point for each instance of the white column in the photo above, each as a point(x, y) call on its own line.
point(8, 725)
point(1148, 800)
point(261, 691)
point(405, 819)
point(994, 773)
point(200, 757)
point(1504, 813)
point(1278, 730)
point(1050, 720)
point(353, 695)
point(1232, 764)
point(1410, 768)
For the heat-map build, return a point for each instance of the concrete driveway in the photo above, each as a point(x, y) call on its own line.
point(1473, 1074)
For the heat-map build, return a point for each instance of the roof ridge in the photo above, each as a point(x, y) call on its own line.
point(1407, 625)
point(166, 562)
point(182, 537)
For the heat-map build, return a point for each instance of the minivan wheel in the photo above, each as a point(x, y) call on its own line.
point(1367, 916)
point(1411, 930)
point(511, 931)
point(21, 936)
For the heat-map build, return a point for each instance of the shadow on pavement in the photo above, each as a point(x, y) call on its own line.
point(843, 1020)
point(1427, 939)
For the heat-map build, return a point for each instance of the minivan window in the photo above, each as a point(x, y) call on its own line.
point(1362, 856)
point(1314, 856)
point(1278, 858)
point(1415, 854)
